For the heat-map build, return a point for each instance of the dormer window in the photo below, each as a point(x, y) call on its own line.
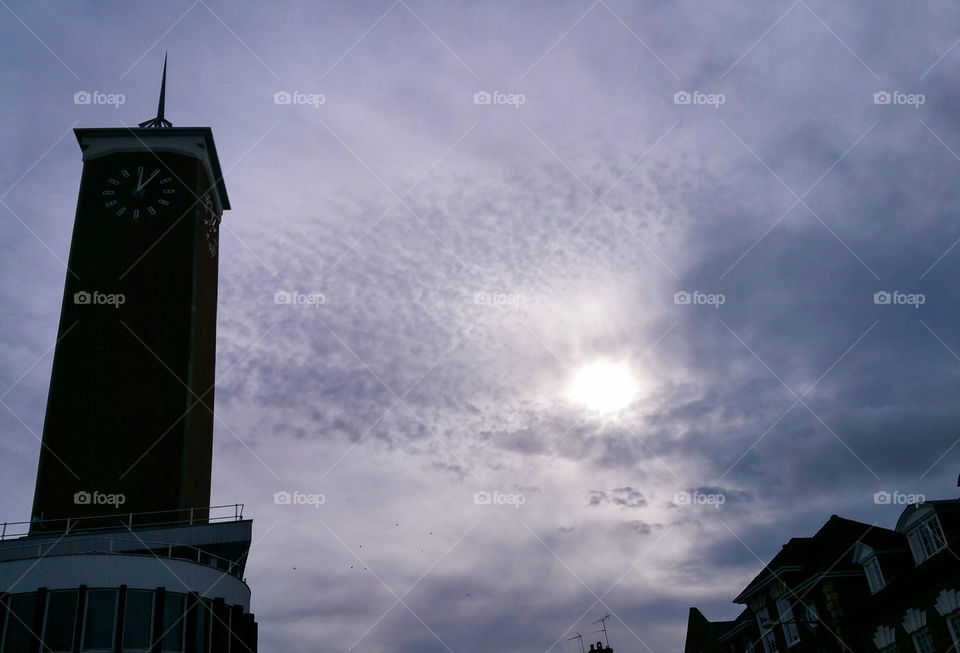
point(767, 636)
point(790, 631)
point(813, 615)
point(874, 575)
point(866, 556)
point(926, 539)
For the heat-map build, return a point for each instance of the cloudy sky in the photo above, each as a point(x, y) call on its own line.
point(632, 298)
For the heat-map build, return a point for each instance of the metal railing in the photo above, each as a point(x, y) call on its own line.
point(120, 545)
point(10, 530)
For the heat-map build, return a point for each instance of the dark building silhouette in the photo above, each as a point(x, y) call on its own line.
point(136, 379)
point(123, 551)
point(851, 587)
point(914, 580)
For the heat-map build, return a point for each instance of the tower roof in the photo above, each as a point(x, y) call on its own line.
point(95, 141)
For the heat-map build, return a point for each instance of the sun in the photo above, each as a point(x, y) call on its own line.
point(604, 387)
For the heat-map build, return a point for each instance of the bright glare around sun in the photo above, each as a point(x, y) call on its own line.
point(604, 387)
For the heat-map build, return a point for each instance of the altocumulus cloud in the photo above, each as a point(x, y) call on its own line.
point(472, 257)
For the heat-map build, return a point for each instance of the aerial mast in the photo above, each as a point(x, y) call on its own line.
point(603, 629)
point(580, 637)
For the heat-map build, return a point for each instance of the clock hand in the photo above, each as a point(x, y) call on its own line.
point(142, 184)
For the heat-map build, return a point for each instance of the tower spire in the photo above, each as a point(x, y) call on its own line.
point(160, 121)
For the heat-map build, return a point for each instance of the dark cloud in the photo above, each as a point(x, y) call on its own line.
point(625, 497)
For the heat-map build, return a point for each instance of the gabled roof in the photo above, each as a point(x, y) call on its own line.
point(704, 635)
point(945, 508)
point(744, 621)
point(829, 550)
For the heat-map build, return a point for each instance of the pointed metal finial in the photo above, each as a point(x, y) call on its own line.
point(160, 121)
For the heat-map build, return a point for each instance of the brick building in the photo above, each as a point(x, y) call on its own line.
point(851, 587)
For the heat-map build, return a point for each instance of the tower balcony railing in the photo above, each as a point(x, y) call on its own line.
point(120, 520)
point(119, 544)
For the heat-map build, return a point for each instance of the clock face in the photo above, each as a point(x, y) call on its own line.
point(138, 192)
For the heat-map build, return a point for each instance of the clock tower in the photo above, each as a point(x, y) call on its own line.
point(123, 551)
point(130, 410)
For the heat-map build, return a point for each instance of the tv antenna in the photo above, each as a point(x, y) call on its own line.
point(160, 121)
point(603, 628)
point(580, 637)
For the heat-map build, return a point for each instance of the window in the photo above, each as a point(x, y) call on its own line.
point(137, 620)
point(874, 575)
point(926, 539)
point(790, 631)
point(767, 635)
point(813, 615)
point(173, 630)
point(59, 621)
point(953, 624)
point(922, 641)
point(18, 634)
point(204, 617)
point(100, 620)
